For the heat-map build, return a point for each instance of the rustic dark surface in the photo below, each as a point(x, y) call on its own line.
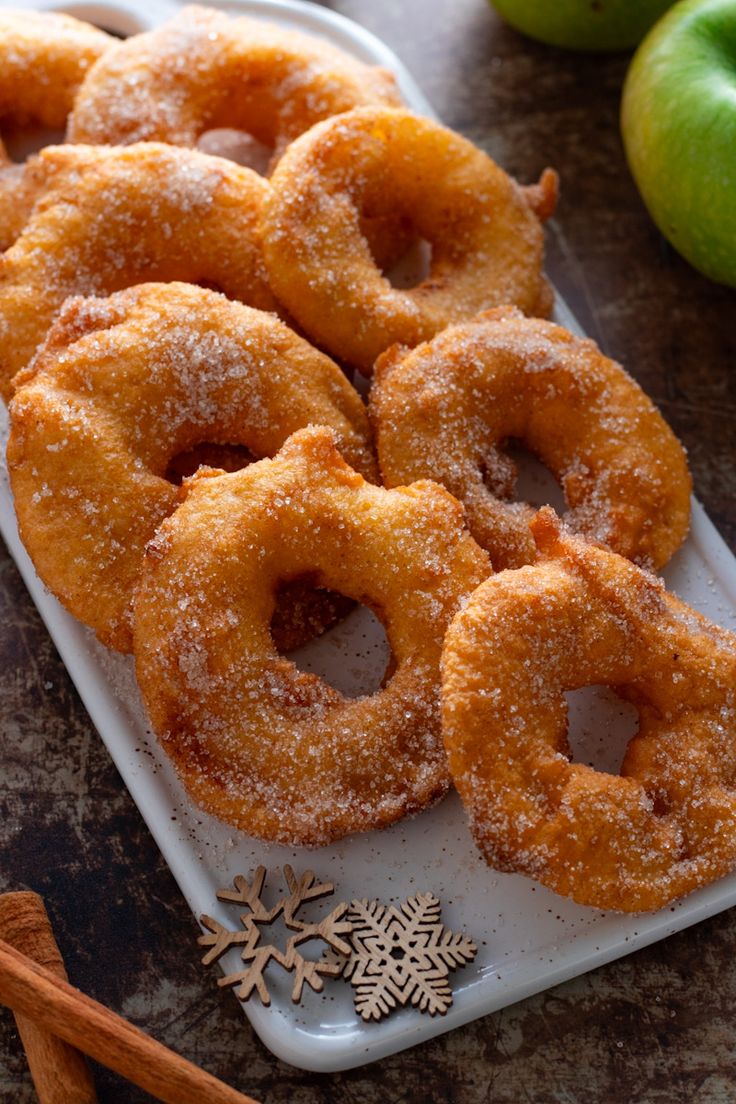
point(658, 1026)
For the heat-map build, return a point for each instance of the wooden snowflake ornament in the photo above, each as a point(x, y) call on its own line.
point(403, 955)
point(258, 955)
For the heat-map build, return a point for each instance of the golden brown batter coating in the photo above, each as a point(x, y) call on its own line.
point(44, 57)
point(124, 384)
point(445, 410)
point(262, 745)
point(112, 217)
point(485, 231)
point(583, 616)
point(16, 200)
point(241, 73)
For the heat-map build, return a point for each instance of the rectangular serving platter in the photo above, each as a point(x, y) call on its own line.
point(528, 938)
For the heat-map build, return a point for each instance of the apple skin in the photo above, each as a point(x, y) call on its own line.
point(678, 121)
point(583, 24)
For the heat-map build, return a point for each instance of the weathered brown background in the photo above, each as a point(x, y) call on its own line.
point(655, 1027)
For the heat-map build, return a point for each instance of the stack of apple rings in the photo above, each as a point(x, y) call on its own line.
point(205, 487)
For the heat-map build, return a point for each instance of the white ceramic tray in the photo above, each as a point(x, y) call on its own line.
point(528, 938)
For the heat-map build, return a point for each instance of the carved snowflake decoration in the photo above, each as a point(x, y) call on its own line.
point(258, 955)
point(403, 955)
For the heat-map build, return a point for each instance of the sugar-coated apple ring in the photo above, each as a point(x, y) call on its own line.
point(111, 217)
point(44, 57)
point(120, 387)
point(485, 231)
point(580, 616)
point(260, 744)
point(240, 73)
point(444, 411)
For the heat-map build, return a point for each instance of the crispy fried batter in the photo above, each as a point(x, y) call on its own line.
point(583, 616)
point(484, 229)
point(112, 217)
point(241, 73)
point(445, 410)
point(44, 57)
point(124, 384)
point(272, 750)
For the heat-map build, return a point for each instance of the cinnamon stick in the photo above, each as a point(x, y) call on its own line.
point(35, 992)
point(60, 1073)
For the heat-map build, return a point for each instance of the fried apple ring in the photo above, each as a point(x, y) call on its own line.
point(484, 229)
point(258, 743)
point(127, 215)
point(120, 387)
point(581, 616)
point(444, 411)
point(241, 75)
point(238, 73)
point(44, 56)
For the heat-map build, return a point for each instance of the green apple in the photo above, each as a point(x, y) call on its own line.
point(583, 24)
point(678, 120)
